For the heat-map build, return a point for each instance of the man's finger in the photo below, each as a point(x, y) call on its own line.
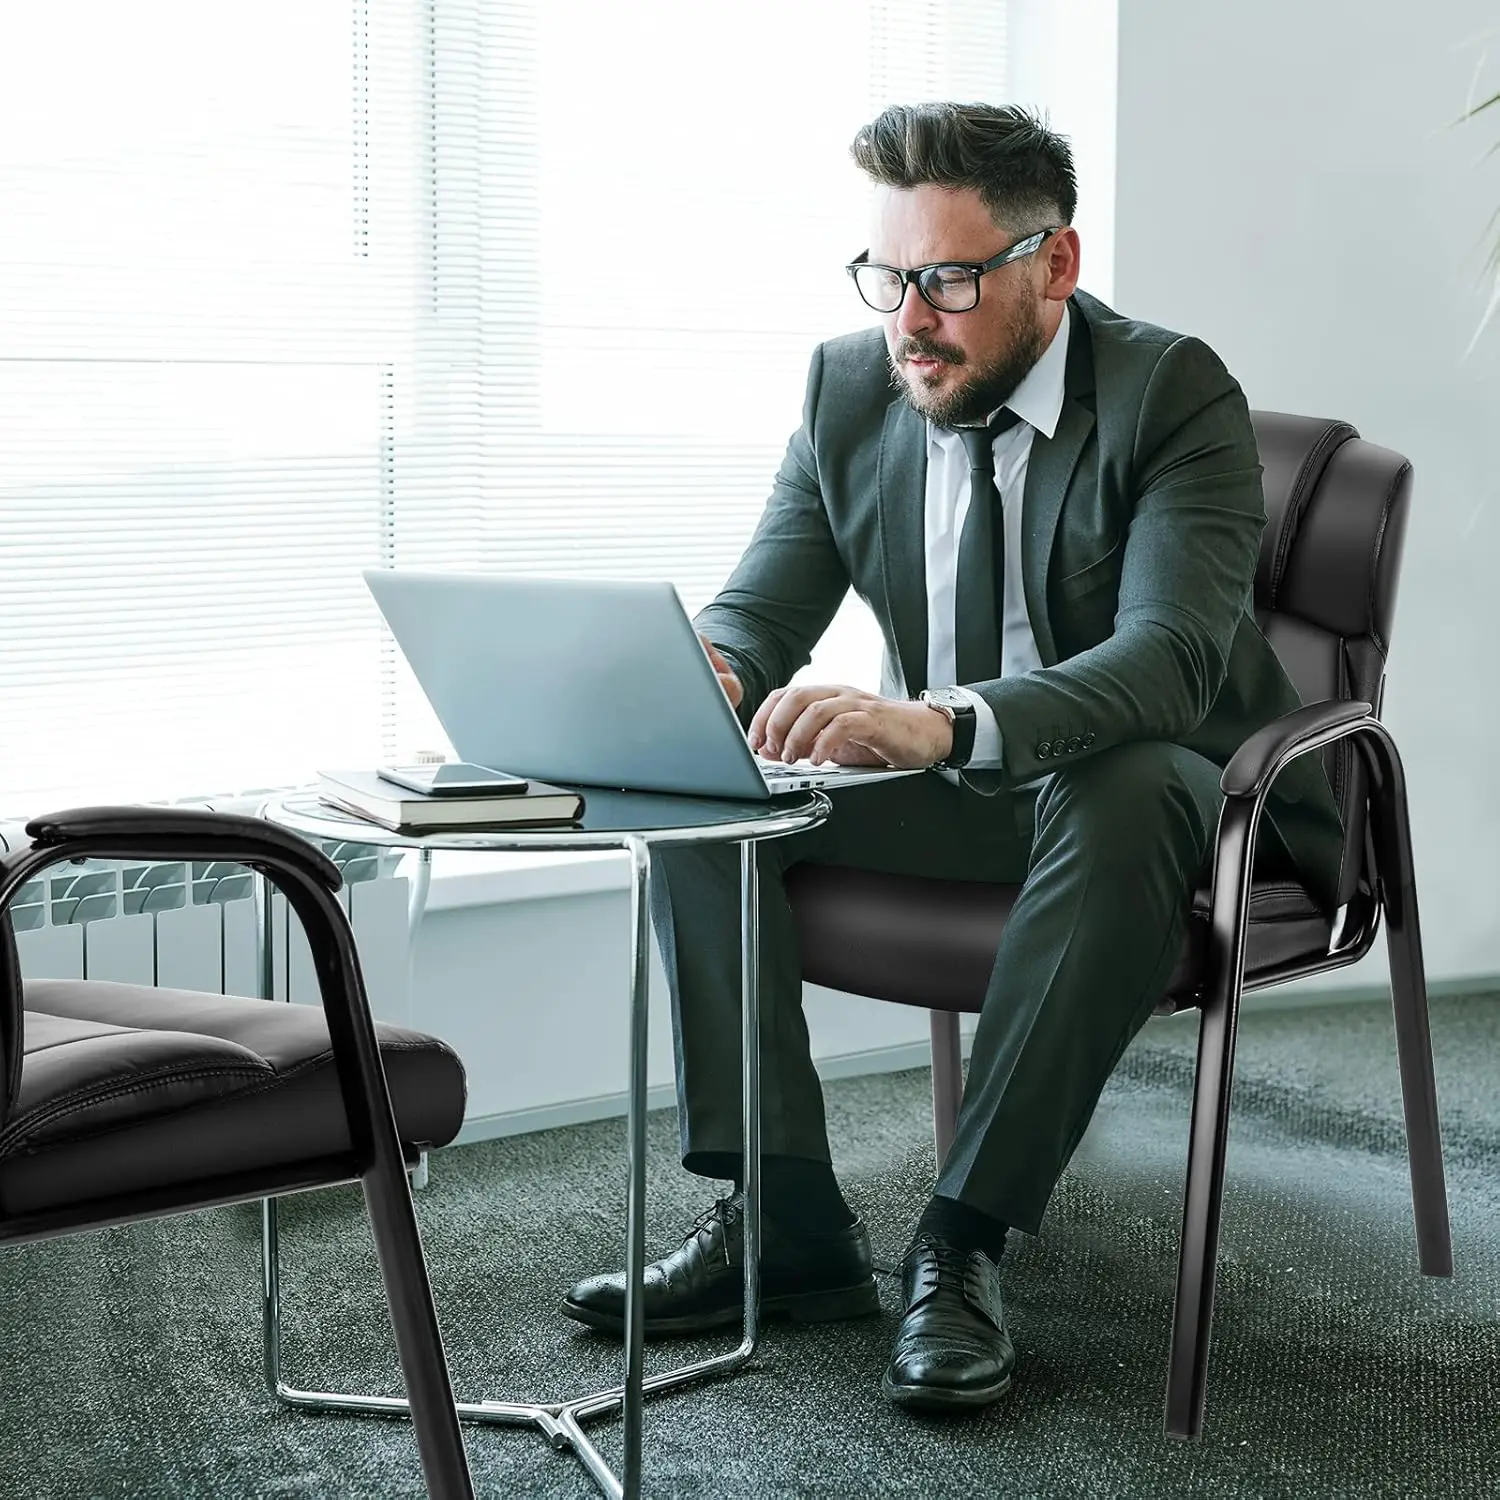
point(757, 730)
point(790, 711)
point(728, 680)
point(714, 654)
point(796, 740)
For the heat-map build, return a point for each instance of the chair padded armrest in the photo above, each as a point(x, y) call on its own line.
point(1252, 766)
point(138, 832)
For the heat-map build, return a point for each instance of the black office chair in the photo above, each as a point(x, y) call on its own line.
point(1325, 593)
point(120, 1102)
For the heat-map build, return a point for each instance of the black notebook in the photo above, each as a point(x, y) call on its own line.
point(367, 795)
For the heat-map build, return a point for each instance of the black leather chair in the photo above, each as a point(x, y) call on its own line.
point(120, 1102)
point(1325, 593)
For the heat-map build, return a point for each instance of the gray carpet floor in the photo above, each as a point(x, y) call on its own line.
point(130, 1358)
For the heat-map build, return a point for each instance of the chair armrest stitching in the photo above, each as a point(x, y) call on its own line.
point(323, 1058)
point(77, 1103)
point(279, 1077)
point(72, 1041)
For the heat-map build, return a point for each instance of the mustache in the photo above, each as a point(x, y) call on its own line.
point(909, 346)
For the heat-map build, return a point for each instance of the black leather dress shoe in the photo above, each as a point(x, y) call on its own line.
point(813, 1278)
point(952, 1352)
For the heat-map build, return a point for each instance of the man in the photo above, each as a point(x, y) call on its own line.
point(1070, 644)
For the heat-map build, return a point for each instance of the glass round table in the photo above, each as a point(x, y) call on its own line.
point(637, 823)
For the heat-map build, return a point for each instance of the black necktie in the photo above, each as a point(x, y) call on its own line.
point(980, 593)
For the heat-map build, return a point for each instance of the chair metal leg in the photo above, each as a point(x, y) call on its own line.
point(1187, 1375)
point(1187, 1372)
point(393, 1220)
point(1234, 853)
point(419, 1343)
point(947, 1081)
point(1391, 827)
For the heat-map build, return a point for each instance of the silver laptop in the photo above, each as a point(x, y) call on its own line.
point(579, 680)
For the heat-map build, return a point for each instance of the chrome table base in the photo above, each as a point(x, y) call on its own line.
point(559, 1421)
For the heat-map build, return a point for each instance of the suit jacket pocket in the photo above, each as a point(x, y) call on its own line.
point(1102, 570)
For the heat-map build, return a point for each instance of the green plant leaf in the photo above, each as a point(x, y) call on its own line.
point(1492, 260)
point(1469, 114)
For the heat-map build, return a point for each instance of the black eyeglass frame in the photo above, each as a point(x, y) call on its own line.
point(977, 268)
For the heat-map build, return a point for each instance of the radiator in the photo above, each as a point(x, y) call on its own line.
point(191, 925)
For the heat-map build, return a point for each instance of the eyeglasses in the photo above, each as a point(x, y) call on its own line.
point(950, 286)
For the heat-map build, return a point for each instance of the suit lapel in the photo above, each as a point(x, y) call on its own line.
point(902, 489)
point(1049, 472)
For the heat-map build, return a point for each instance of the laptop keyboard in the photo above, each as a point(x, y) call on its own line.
point(782, 768)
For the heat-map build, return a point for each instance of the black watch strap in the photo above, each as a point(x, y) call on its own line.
point(963, 737)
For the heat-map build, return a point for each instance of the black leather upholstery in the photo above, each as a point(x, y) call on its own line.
point(125, 1088)
point(932, 943)
point(1324, 596)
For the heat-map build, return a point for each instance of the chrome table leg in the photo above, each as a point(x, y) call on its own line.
point(416, 906)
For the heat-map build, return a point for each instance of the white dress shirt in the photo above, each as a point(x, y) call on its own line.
point(1038, 402)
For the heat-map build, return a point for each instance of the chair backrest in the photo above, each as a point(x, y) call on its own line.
point(1325, 587)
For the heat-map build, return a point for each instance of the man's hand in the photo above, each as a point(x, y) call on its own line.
point(724, 672)
point(850, 727)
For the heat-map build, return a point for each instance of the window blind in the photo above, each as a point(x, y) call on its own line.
point(295, 289)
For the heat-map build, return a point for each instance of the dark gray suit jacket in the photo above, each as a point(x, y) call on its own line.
point(1141, 524)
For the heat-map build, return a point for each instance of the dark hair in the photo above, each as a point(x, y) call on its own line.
point(1022, 171)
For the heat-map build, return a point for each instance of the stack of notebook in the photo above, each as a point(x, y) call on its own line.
point(367, 795)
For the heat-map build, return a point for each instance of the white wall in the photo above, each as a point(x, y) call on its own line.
point(1063, 61)
point(1287, 188)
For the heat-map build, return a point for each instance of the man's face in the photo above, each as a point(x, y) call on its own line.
point(958, 367)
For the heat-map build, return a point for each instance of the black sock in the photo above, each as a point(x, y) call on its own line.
point(795, 1190)
point(962, 1226)
point(803, 1193)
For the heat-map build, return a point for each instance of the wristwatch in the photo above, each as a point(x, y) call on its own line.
point(959, 710)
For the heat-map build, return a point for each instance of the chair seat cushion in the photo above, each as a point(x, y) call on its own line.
point(920, 941)
point(125, 1087)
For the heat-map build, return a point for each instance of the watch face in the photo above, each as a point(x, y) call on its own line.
point(949, 698)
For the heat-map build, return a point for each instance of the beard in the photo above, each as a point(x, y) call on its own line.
point(987, 386)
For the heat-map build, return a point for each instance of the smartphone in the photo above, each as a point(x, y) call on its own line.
point(453, 779)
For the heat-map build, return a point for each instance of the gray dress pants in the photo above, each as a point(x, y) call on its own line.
point(1109, 849)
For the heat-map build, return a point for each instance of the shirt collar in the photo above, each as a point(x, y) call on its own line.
point(1039, 397)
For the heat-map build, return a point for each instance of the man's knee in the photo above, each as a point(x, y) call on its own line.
point(1146, 795)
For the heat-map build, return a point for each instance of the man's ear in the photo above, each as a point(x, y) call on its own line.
point(1063, 256)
